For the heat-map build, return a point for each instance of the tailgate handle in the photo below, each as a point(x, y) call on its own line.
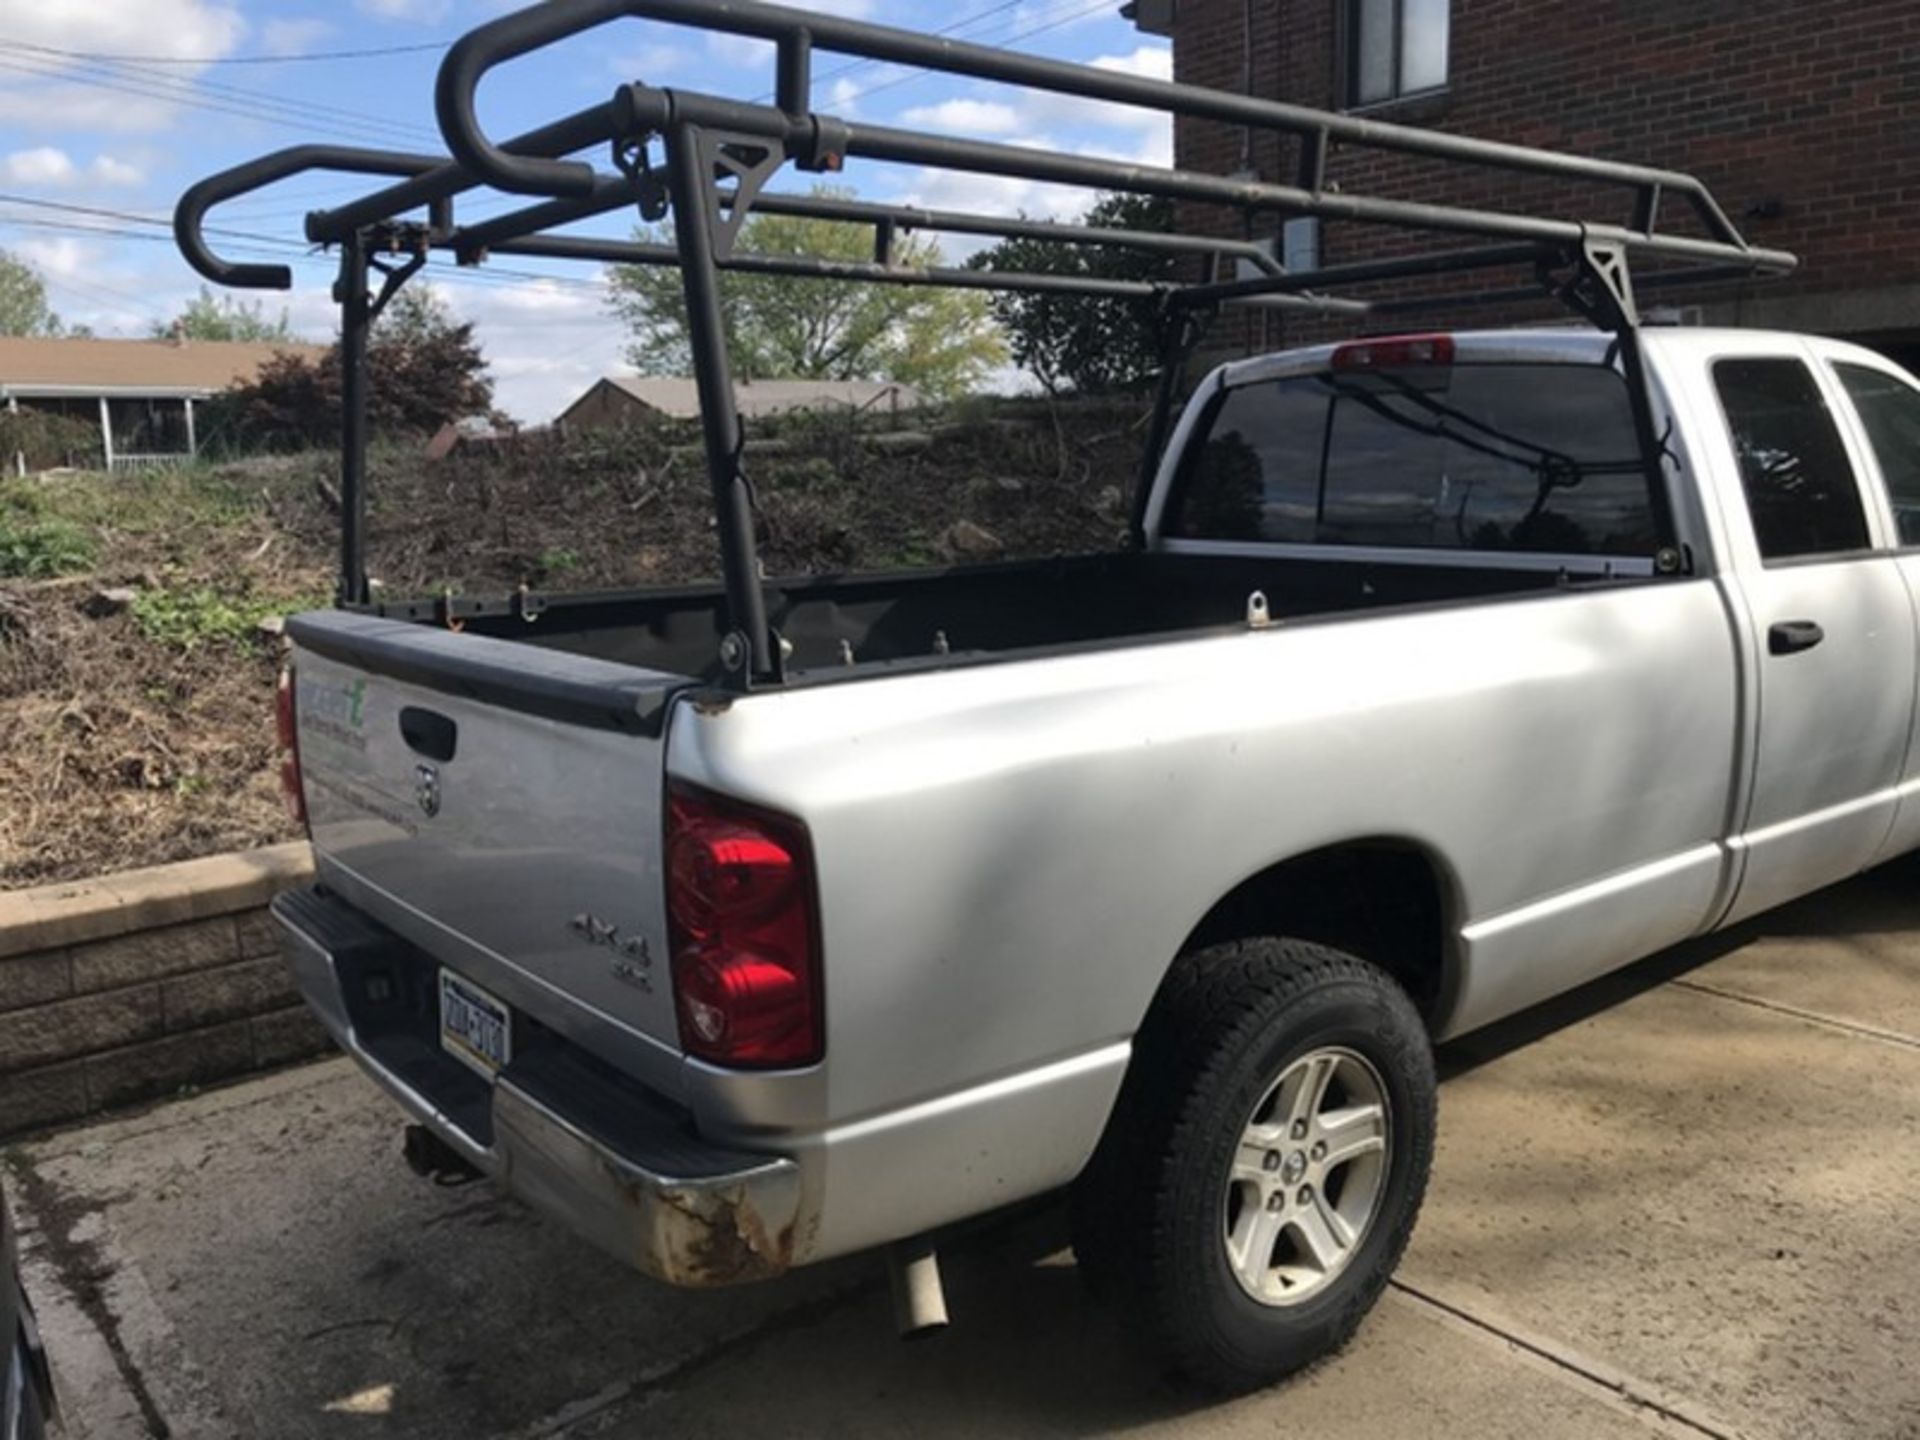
point(428, 733)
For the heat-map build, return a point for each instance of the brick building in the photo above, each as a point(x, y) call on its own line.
point(1798, 114)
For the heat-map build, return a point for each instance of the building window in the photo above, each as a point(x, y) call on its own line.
point(1395, 49)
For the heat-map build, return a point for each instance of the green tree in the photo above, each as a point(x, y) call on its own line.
point(424, 368)
point(1083, 343)
point(942, 342)
point(223, 317)
point(23, 301)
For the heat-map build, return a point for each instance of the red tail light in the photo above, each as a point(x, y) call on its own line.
point(742, 919)
point(1395, 353)
point(287, 725)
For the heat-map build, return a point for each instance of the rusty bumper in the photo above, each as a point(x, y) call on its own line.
point(717, 1228)
point(658, 1196)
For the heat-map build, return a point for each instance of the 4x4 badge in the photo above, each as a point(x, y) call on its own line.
point(632, 960)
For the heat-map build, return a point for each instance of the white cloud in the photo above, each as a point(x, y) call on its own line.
point(989, 195)
point(43, 165)
point(49, 167)
point(419, 12)
point(961, 116)
point(58, 259)
point(742, 52)
point(1153, 61)
point(1042, 120)
point(546, 340)
point(177, 28)
point(843, 98)
point(105, 170)
point(650, 62)
point(293, 37)
point(47, 99)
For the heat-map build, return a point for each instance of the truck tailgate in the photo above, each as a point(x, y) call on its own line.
point(499, 805)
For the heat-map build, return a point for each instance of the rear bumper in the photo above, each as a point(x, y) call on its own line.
point(611, 1162)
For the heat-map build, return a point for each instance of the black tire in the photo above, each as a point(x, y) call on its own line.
point(1150, 1209)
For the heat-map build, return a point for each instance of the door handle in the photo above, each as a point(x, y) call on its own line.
point(428, 733)
point(1789, 637)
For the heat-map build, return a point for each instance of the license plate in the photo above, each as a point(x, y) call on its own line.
point(475, 1028)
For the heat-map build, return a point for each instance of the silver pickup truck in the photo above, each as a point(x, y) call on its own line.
point(1391, 730)
point(745, 925)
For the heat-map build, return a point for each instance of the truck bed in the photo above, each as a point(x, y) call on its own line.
point(986, 610)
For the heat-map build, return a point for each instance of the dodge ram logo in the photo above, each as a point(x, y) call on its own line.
point(426, 790)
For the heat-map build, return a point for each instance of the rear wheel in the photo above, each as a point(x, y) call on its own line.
point(1266, 1161)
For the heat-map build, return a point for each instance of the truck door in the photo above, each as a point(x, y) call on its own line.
point(1886, 408)
point(1834, 631)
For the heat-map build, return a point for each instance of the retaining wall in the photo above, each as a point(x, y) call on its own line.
point(133, 986)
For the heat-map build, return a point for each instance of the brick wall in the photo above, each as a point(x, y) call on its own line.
point(132, 986)
point(1807, 104)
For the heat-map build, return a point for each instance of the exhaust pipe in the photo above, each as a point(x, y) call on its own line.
point(919, 1299)
point(431, 1158)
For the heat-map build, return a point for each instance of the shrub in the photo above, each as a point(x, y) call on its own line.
point(32, 548)
point(48, 439)
point(202, 615)
point(424, 369)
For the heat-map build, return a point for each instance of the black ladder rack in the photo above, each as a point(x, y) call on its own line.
point(717, 155)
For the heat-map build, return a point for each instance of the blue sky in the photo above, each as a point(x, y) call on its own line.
point(116, 105)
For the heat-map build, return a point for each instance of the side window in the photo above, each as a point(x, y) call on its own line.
point(1800, 489)
point(1890, 409)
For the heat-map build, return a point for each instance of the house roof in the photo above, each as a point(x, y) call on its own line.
point(679, 397)
point(35, 365)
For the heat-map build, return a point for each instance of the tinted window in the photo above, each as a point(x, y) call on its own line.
point(1800, 488)
point(1484, 457)
point(1890, 409)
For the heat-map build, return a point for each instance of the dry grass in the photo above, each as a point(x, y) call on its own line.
point(145, 735)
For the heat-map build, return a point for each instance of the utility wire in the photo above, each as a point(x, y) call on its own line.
point(237, 92)
point(157, 84)
point(286, 114)
point(1026, 34)
point(847, 66)
point(305, 58)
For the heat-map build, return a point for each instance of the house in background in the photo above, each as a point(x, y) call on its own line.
point(1798, 115)
point(622, 399)
point(140, 394)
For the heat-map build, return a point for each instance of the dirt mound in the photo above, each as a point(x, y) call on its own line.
point(136, 683)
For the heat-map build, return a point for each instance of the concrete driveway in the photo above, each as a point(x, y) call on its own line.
point(1685, 1201)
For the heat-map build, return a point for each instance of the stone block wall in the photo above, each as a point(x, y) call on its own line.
point(133, 986)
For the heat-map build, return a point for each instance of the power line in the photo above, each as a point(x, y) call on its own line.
point(1027, 34)
point(964, 22)
point(306, 57)
point(206, 94)
point(249, 105)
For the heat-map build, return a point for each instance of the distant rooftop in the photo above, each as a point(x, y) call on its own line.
point(34, 365)
point(679, 398)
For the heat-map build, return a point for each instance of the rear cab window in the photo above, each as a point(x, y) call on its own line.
point(1800, 488)
point(1530, 457)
